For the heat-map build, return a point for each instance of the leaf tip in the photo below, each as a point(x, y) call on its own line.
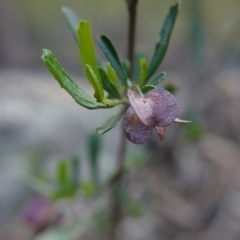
point(84, 22)
point(45, 53)
point(64, 9)
point(98, 131)
point(176, 5)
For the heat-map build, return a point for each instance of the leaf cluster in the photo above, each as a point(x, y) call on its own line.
point(111, 82)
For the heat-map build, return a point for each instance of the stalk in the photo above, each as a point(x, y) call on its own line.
point(116, 213)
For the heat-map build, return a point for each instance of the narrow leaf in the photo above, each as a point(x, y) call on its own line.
point(75, 167)
point(109, 51)
point(162, 45)
point(94, 147)
point(108, 86)
point(68, 84)
point(63, 173)
point(87, 54)
point(64, 180)
point(112, 75)
point(147, 88)
point(158, 79)
point(126, 66)
point(93, 78)
point(143, 71)
point(110, 123)
point(72, 20)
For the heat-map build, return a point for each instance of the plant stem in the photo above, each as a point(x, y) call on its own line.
point(132, 15)
point(116, 208)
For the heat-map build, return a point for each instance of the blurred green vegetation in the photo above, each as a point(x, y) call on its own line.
point(28, 26)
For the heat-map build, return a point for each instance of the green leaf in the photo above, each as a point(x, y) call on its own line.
point(147, 88)
point(158, 79)
point(75, 176)
point(63, 172)
point(126, 66)
point(109, 51)
point(162, 45)
point(94, 146)
point(108, 86)
point(143, 71)
point(112, 75)
point(89, 61)
point(72, 20)
point(68, 84)
point(110, 123)
point(92, 77)
point(65, 187)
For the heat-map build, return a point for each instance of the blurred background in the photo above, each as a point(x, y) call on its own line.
point(189, 188)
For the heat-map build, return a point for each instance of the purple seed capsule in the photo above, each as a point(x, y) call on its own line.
point(158, 109)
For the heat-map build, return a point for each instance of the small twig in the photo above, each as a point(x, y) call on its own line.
point(132, 13)
point(116, 211)
point(116, 214)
